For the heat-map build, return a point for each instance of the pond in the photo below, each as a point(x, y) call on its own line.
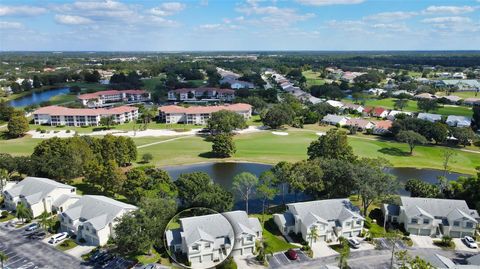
point(223, 173)
point(35, 98)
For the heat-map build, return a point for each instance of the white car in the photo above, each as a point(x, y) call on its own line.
point(470, 242)
point(353, 243)
point(57, 238)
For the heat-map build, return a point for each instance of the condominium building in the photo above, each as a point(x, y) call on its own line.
point(199, 114)
point(201, 94)
point(58, 115)
point(108, 98)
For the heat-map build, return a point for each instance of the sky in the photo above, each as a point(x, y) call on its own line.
point(245, 25)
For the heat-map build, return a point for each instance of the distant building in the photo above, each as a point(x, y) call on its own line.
point(392, 115)
point(378, 112)
point(201, 94)
point(424, 95)
point(354, 107)
point(335, 119)
point(429, 117)
point(199, 114)
point(58, 115)
point(110, 97)
point(458, 121)
point(452, 98)
point(471, 101)
point(360, 124)
point(382, 127)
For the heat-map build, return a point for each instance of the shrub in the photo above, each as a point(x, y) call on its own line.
point(4, 214)
point(43, 131)
point(56, 131)
point(82, 240)
point(38, 129)
point(67, 131)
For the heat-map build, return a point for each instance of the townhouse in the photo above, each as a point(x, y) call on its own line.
point(433, 217)
point(429, 117)
point(93, 218)
point(201, 94)
point(458, 121)
point(199, 115)
point(335, 120)
point(58, 115)
point(330, 218)
point(38, 195)
point(110, 97)
point(247, 232)
point(204, 240)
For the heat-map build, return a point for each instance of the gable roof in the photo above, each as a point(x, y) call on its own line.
point(36, 188)
point(334, 118)
point(429, 116)
point(206, 227)
point(241, 223)
point(97, 210)
point(325, 210)
point(437, 207)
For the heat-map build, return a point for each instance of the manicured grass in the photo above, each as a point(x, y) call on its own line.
point(63, 99)
point(129, 126)
point(150, 84)
point(375, 230)
point(66, 245)
point(265, 147)
point(274, 240)
point(461, 94)
point(146, 259)
point(85, 86)
point(9, 217)
point(412, 107)
point(313, 78)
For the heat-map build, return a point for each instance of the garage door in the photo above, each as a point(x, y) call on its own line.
point(413, 231)
point(455, 234)
point(347, 234)
point(248, 251)
point(207, 258)
point(467, 234)
point(195, 259)
point(425, 232)
point(236, 252)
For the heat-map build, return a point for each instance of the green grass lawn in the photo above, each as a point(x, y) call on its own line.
point(313, 78)
point(150, 84)
point(412, 107)
point(66, 245)
point(9, 217)
point(265, 147)
point(86, 86)
point(274, 240)
point(461, 94)
point(129, 126)
point(63, 99)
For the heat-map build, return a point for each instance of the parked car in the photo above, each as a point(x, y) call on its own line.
point(470, 242)
point(292, 254)
point(32, 227)
point(58, 237)
point(353, 243)
point(37, 235)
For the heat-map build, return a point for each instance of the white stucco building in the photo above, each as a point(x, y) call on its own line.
point(199, 114)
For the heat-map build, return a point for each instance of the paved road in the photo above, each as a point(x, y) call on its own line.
point(29, 254)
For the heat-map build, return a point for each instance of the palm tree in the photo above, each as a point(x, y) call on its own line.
point(45, 221)
point(3, 258)
point(344, 253)
point(313, 235)
point(23, 213)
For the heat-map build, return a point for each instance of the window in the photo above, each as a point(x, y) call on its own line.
point(207, 245)
point(348, 224)
point(456, 223)
point(250, 238)
point(414, 221)
point(359, 222)
point(426, 221)
point(195, 247)
point(469, 225)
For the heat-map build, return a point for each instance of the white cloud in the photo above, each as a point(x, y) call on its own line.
point(455, 19)
point(21, 10)
point(10, 25)
point(271, 16)
point(329, 2)
point(455, 10)
point(72, 20)
point(391, 16)
point(167, 9)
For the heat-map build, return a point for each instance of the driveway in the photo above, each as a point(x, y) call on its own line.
point(321, 249)
point(247, 262)
point(363, 246)
point(79, 250)
point(423, 241)
point(279, 259)
point(460, 246)
point(24, 253)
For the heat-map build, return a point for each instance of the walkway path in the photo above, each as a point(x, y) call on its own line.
point(164, 141)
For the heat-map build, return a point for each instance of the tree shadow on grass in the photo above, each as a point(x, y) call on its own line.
point(208, 155)
point(394, 152)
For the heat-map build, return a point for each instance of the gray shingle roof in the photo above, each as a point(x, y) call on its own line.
point(328, 210)
point(436, 207)
point(97, 210)
point(35, 188)
point(241, 223)
point(206, 227)
point(333, 118)
point(286, 219)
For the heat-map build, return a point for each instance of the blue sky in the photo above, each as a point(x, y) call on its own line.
point(151, 25)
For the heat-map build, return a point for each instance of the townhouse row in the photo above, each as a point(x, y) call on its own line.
point(89, 217)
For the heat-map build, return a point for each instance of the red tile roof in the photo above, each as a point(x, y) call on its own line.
point(358, 122)
point(376, 111)
point(172, 109)
point(65, 111)
point(94, 95)
point(384, 124)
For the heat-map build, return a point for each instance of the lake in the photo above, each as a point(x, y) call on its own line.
point(223, 173)
point(35, 98)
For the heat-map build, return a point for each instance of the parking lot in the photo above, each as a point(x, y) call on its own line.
point(281, 260)
point(25, 253)
point(461, 246)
